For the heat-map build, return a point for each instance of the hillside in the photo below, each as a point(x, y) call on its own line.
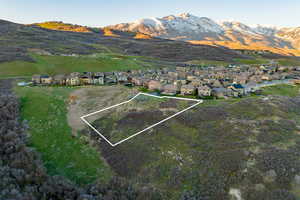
point(222, 149)
point(202, 30)
point(17, 40)
point(60, 26)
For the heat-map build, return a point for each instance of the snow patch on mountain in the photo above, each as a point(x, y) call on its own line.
point(266, 30)
point(238, 27)
point(189, 27)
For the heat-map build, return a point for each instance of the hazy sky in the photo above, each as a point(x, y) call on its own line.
point(105, 12)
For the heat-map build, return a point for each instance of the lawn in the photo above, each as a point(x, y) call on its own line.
point(65, 64)
point(45, 111)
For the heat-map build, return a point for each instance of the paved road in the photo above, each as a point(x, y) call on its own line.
point(249, 87)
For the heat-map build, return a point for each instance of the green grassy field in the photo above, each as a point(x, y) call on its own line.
point(257, 61)
point(254, 61)
point(289, 62)
point(282, 90)
point(45, 111)
point(66, 64)
point(209, 62)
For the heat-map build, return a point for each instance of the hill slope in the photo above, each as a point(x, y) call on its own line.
point(60, 26)
point(17, 40)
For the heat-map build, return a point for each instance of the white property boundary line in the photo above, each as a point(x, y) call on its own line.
point(141, 93)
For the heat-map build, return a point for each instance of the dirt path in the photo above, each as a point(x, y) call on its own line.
point(90, 99)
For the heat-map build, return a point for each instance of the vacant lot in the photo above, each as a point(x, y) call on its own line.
point(120, 122)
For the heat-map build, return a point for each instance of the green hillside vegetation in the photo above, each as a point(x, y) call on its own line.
point(45, 111)
point(63, 26)
point(282, 90)
point(209, 62)
point(65, 64)
point(252, 61)
point(289, 61)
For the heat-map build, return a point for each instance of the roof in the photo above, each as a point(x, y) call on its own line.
point(189, 86)
point(238, 86)
point(170, 87)
point(60, 76)
point(203, 87)
point(220, 89)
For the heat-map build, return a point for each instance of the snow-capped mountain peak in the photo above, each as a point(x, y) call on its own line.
point(184, 15)
point(187, 27)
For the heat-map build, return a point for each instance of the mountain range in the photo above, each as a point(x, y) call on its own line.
point(202, 30)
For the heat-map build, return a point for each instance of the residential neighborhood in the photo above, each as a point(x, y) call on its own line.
point(209, 81)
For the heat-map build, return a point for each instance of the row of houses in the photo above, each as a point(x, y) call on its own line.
point(85, 78)
point(189, 80)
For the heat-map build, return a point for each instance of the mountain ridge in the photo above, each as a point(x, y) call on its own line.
point(187, 27)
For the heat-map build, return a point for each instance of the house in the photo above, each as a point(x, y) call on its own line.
point(221, 92)
point(265, 78)
point(238, 89)
point(242, 79)
point(181, 81)
point(216, 83)
point(172, 73)
point(73, 79)
point(98, 79)
point(99, 74)
point(297, 68)
point(154, 85)
point(137, 81)
point(296, 81)
point(204, 91)
point(110, 78)
point(182, 74)
point(59, 79)
point(282, 69)
point(187, 89)
point(45, 79)
point(146, 82)
point(170, 89)
point(86, 78)
point(226, 82)
point(191, 77)
point(196, 82)
point(182, 69)
point(36, 79)
point(198, 72)
point(121, 77)
point(250, 87)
